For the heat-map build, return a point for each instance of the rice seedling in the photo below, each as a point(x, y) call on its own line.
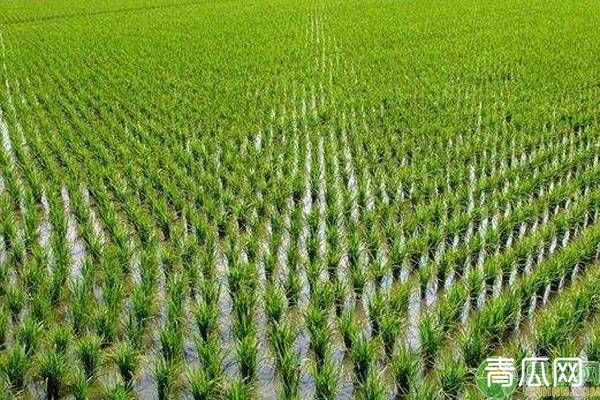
point(80, 387)
point(119, 392)
point(61, 336)
point(427, 389)
point(53, 369)
point(405, 366)
point(247, 352)
point(430, 334)
point(452, 375)
point(106, 325)
point(592, 347)
point(359, 281)
point(293, 286)
point(171, 341)
point(326, 381)
point(363, 356)
point(89, 353)
point(372, 389)
point(15, 300)
point(474, 283)
point(4, 329)
point(15, 366)
point(425, 275)
point(206, 316)
point(30, 335)
point(127, 361)
point(166, 374)
point(377, 310)
point(237, 390)
point(289, 373)
point(349, 328)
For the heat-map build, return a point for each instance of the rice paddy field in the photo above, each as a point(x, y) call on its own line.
point(312, 199)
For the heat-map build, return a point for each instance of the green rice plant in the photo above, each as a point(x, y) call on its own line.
point(282, 337)
point(14, 297)
point(293, 257)
point(404, 368)
point(425, 275)
point(452, 375)
point(89, 353)
point(312, 247)
point(363, 357)
point(354, 250)
point(472, 392)
point(326, 381)
point(320, 341)
point(275, 303)
point(171, 341)
point(397, 256)
point(15, 366)
point(313, 273)
point(247, 354)
point(451, 307)
point(349, 327)
point(425, 390)
point(202, 386)
point(30, 335)
point(270, 264)
point(210, 290)
point(490, 273)
point(127, 361)
point(443, 269)
point(592, 347)
point(518, 349)
point(61, 336)
point(175, 303)
point(80, 387)
point(4, 328)
point(377, 307)
point(293, 287)
point(474, 348)
point(237, 390)
point(118, 392)
point(373, 237)
point(289, 373)
point(243, 310)
point(372, 388)
point(53, 369)
point(558, 323)
point(315, 316)
point(415, 248)
point(339, 296)
point(41, 307)
point(210, 357)
point(359, 281)
point(334, 257)
point(431, 336)
point(106, 324)
point(474, 285)
point(399, 299)
point(33, 276)
point(166, 375)
point(4, 274)
point(378, 271)
point(206, 317)
point(133, 331)
point(391, 327)
point(79, 296)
